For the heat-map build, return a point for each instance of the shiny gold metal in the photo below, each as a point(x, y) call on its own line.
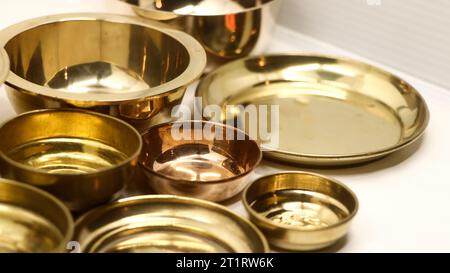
point(163, 223)
point(227, 29)
point(83, 158)
point(32, 220)
point(332, 111)
point(210, 162)
point(126, 67)
point(300, 211)
point(4, 65)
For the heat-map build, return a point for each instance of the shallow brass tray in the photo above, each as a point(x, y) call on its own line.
point(165, 223)
point(332, 111)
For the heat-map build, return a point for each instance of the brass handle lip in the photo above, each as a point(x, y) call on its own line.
point(197, 59)
point(4, 65)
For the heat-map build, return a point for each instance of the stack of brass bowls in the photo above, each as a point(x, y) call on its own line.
point(96, 94)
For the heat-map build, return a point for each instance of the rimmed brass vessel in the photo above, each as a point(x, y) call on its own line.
point(82, 157)
point(300, 211)
point(32, 220)
point(227, 29)
point(164, 223)
point(4, 65)
point(199, 159)
point(123, 66)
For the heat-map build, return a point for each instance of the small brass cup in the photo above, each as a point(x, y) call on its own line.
point(82, 157)
point(300, 211)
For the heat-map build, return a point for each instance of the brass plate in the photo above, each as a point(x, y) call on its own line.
point(32, 220)
point(299, 210)
point(333, 111)
point(164, 223)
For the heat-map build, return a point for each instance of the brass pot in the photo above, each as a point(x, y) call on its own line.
point(118, 65)
point(227, 29)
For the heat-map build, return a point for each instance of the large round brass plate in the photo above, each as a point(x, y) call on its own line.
point(331, 111)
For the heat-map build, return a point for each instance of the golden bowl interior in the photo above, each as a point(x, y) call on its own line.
point(97, 56)
point(204, 154)
point(32, 220)
point(300, 201)
point(162, 223)
point(68, 142)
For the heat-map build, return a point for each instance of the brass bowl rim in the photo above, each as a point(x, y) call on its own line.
point(197, 58)
point(255, 214)
point(81, 111)
point(238, 11)
point(35, 190)
point(400, 145)
point(4, 65)
point(190, 182)
point(129, 201)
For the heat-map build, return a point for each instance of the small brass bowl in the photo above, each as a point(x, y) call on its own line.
point(32, 220)
point(162, 223)
point(196, 159)
point(127, 67)
point(82, 157)
point(300, 211)
point(227, 29)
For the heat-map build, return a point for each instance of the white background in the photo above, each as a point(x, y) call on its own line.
point(404, 198)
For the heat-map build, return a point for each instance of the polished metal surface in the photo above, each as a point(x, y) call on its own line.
point(209, 167)
point(162, 223)
point(82, 157)
point(332, 111)
point(126, 67)
point(227, 29)
point(300, 211)
point(32, 220)
point(4, 65)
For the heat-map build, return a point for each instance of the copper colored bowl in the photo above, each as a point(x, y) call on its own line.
point(178, 159)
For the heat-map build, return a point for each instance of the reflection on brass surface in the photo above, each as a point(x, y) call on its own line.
point(125, 67)
point(209, 167)
point(4, 65)
point(82, 157)
point(162, 223)
point(227, 29)
point(300, 211)
point(332, 111)
point(32, 220)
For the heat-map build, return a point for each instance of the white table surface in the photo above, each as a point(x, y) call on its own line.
point(404, 198)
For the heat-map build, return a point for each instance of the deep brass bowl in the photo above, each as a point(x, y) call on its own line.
point(162, 223)
point(300, 211)
point(32, 220)
point(127, 67)
point(227, 29)
point(82, 157)
point(203, 164)
point(332, 110)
